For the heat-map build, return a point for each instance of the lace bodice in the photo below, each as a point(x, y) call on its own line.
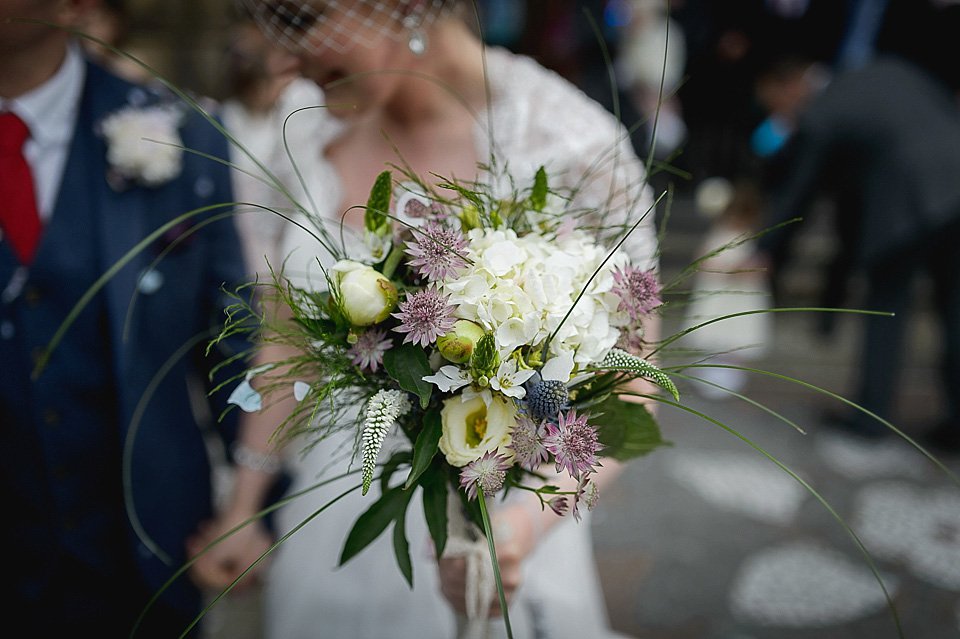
point(535, 119)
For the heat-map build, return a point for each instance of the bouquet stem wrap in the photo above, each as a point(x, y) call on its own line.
point(465, 539)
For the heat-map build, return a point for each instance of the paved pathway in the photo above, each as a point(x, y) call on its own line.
point(710, 540)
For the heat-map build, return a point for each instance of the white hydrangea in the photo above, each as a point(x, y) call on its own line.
point(522, 287)
point(143, 144)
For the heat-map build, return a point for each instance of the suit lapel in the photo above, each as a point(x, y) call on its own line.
point(120, 216)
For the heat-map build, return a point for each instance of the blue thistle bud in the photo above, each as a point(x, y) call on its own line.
point(546, 398)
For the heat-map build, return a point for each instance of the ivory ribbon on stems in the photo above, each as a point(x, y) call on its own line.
point(465, 539)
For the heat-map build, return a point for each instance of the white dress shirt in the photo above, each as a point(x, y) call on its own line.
point(50, 113)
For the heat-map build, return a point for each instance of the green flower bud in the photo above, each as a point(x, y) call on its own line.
point(470, 218)
point(458, 345)
point(485, 358)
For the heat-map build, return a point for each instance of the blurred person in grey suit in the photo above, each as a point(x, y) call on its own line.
point(884, 141)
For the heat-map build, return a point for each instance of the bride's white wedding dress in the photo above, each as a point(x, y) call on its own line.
point(537, 119)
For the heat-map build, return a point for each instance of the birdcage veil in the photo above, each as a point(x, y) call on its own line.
point(315, 25)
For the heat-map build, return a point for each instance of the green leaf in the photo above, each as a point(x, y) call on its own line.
point(408, 365)
point(626, 429)
point(391, 466)
point(391, 505)
point(375, 219)
point(426, 446)
point(434, 484)
point(401, 547)
point(538, 198)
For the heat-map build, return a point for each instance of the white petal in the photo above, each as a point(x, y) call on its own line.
point(522, 376)
point(517, 392)
point(300, 390)
point(558, 367)
point(449, 378)
point(245, 397)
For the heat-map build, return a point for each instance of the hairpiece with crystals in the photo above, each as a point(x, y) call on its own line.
point(316, 25)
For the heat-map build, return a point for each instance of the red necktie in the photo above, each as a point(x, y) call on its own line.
point(18, 206)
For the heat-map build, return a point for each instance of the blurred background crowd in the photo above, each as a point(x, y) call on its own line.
point(736, 72)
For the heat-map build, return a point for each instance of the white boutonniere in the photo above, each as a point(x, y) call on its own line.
point(143, 145)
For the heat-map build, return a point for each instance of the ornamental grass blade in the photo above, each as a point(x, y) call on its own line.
point(816, 495)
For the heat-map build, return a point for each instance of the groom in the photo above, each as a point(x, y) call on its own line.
point(103, 468)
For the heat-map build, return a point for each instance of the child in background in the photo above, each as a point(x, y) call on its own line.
point(728, 282)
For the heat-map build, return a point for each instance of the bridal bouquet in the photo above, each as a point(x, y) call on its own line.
point(495, 335)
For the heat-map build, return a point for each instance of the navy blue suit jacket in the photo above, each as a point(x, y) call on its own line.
point(167, 475)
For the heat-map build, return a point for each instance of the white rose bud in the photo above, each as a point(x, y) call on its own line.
point(366, 296)
point(457, 345)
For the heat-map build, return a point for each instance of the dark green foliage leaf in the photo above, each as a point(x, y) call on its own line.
point(391, 466)
point(538, 198)
point(390, 507)
point(434, 484)
point(426, 445)
point(626, 429)
point(471, 507)
point(401, 548)
point(375, 219)
point(407, 364)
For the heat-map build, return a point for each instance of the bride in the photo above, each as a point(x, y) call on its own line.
point(407, 82)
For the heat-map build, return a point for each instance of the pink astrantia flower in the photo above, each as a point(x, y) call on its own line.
point(638, 290)
point(587, 493)
point(424, 316)
point(558, 505)
point(486, 473)
point(437, 251)
point(415, 208)
point(573, 443)
point(631, 339)
point(527, 443)
point(369, 348)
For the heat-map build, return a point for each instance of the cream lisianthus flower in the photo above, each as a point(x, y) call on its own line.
point(474, 426)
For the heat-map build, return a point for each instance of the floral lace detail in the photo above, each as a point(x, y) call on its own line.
point(541, 119)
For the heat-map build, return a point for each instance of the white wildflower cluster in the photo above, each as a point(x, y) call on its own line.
point(520, 288)
point(383, 410)
point(143, 144)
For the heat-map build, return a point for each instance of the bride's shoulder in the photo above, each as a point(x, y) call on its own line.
point(521, 79)
point(543, 111)
point(302, 103)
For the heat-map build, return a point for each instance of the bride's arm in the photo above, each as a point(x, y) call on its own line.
point(256, 470)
